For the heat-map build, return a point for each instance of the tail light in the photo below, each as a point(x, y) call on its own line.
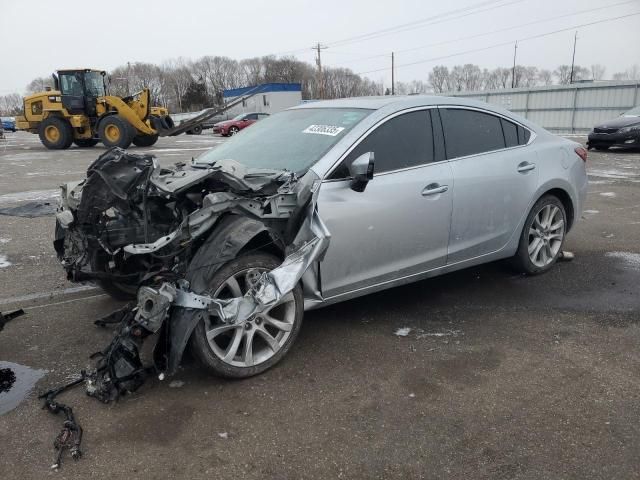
point(582, 153)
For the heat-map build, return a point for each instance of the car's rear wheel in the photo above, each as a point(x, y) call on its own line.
point(252, 346)
point(542, 237)
point(233, 130)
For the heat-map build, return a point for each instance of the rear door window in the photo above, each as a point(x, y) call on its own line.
point(402, 142)
point(469, 132)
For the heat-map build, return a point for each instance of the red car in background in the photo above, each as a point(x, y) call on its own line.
point(233, 126)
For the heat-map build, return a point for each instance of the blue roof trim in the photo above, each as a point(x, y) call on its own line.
point(264, 88)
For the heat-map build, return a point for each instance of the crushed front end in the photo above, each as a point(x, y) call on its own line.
point(135, 228)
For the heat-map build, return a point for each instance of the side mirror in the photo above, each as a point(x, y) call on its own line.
point(361, 171)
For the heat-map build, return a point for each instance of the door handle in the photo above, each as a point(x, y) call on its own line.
point(526, 167)
point(434, 189)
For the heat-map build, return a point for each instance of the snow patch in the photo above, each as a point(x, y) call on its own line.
point(30, 196)
point(4, 240)
point(402, 332)
point(591, 212)
point(4, 262)
point(608, 194)
point(176, 384)
point(630, 258)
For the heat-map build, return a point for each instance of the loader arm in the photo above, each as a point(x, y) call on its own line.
point(206, 115)
point(129, 114)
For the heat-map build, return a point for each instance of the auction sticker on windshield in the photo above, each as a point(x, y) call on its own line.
point(330, 130)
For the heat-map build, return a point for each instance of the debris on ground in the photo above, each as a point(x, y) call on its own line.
point(566, 256)
point(402, 332)
point(176, 384)
point(223, 435)
point(70, 437)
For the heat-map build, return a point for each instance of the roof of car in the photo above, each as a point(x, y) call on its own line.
point(398, 101)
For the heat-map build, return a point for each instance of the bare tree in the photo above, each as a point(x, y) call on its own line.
point(545, 77)
point(10, 104)
point(563, 74)
point(597, 71)
point(439, 79)
point(39, 84)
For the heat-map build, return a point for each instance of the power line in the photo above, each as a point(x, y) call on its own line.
point(407, 26)
point(483, 34)
point(502, 43)
point(439, 18)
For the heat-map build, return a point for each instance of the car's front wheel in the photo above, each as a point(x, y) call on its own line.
point(542, 236)
point(253, 345)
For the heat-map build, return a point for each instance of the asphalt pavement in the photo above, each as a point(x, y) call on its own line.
point(477, 374)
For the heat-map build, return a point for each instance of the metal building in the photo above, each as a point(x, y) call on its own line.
point(574, 108)
point(270, 98)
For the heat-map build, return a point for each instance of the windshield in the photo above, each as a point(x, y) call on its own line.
point(94, 84)
point(239, 117)
point(291, 140)
point(634, 112)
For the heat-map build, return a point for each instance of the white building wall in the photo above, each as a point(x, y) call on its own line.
point(270, 102)
point(564, 108)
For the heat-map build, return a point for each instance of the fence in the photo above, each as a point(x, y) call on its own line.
point(572, 108)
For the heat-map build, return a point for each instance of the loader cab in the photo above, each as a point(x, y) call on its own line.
point(79, 90)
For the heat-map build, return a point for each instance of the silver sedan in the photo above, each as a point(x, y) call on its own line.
point(410, 188)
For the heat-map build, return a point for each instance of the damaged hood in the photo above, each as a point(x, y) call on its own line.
point(235, 175)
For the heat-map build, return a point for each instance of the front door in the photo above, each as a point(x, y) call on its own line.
point(397, 227)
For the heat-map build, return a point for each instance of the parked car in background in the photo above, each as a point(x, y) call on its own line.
point(623, 131)
point(405, 187)
point(8, 123)
point(233, 126)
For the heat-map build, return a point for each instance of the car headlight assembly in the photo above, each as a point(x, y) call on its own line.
point(631, 129)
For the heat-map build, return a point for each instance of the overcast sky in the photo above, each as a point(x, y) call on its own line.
point(39, 36)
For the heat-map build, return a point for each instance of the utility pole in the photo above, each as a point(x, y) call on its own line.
point(320, 81)
point(513, 70)
point(393, 80)
point(128, 75)
point(573, 59)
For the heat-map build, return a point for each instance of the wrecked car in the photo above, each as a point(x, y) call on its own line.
point(317, 204)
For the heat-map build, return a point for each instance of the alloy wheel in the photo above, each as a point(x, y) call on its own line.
point(546, 234)
point(256, 339)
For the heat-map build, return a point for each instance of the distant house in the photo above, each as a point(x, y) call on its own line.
point(269, 98)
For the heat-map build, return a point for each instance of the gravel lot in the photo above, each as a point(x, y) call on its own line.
point(499, 376)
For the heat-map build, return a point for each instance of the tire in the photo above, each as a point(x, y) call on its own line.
point(145, 140)
point(197, 130)
point(116, 290)
point(86, 142)
point(233, 130)
point(541, 241)
point(290, 313)
point(115, 131)
point(55, 133)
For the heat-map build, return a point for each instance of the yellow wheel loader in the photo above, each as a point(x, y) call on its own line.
point(79, 111)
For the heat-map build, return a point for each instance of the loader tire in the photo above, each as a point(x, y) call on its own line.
point(86, 142)
point(115, 131)
point(55, 133)
point(145, 140)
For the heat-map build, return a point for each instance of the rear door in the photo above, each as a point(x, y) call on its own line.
point(495, 176)
point(397, 227)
